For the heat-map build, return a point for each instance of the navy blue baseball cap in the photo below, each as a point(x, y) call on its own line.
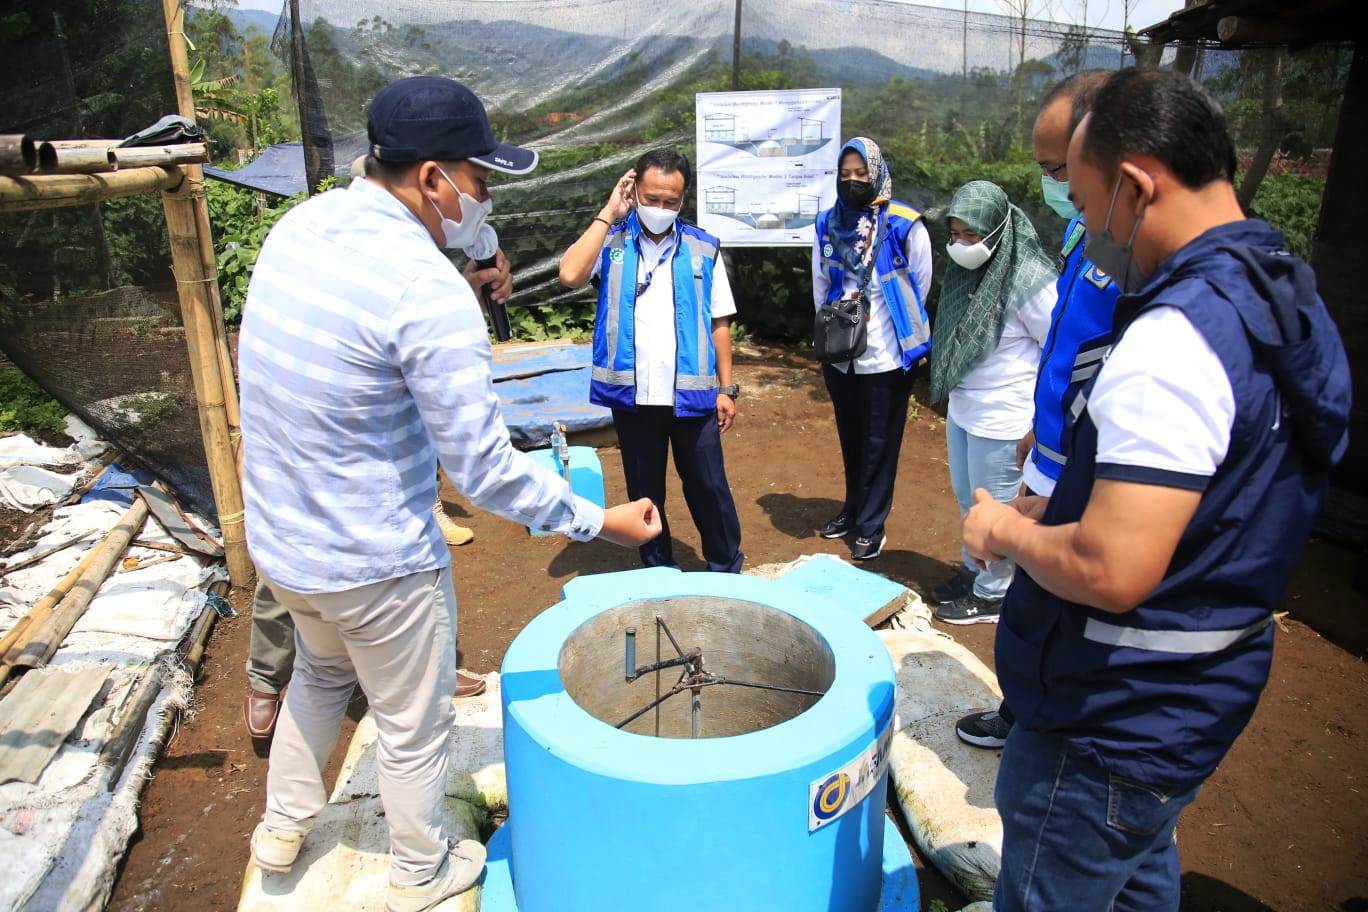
point(425, 118)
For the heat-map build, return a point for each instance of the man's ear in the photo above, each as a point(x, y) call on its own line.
point(429, 178)
point(1149, 189)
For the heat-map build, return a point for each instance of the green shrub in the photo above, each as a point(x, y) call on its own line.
point(25, 407)
point(1292, 205)
point(240, 225)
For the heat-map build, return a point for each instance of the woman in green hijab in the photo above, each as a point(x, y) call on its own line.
point(996, 301)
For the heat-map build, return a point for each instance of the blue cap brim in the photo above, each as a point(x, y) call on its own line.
point(509, 159)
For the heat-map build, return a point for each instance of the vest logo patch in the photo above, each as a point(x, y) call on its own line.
point(828, 250)
point(698, 265)
point(616, 255)
point(1097, 277)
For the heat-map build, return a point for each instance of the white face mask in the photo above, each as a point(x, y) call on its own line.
point(473, 214)
point(655, 219)
point(972, 256)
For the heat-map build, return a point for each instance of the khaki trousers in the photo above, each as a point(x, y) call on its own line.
point(398, 638)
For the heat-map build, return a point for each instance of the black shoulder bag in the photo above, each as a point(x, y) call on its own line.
point(840, 332)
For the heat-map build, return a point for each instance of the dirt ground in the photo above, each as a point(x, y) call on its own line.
point(1282, 825)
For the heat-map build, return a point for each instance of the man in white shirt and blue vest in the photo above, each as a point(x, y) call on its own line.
point(1137, 635)
point(364, 361)
point(662, 349)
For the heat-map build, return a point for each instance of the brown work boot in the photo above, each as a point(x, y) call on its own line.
point(469, 685)
point(260, 711)
point(453, 533)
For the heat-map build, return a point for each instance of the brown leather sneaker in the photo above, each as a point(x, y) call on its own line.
point(469, 685)
point(260, 711)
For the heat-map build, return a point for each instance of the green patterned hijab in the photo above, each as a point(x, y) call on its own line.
point(976, 303)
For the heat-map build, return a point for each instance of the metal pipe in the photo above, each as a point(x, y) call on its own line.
point(631, 654)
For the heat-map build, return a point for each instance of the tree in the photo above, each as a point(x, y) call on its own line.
point(1023, 11)
point(1274, 125)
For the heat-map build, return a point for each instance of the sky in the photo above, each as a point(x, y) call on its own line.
point(1101, 13)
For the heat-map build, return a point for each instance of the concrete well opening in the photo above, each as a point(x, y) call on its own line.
point(738, 643)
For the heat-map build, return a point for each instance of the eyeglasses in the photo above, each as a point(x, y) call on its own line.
point(1052, 172)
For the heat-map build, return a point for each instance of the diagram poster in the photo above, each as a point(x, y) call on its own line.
point(766, 164)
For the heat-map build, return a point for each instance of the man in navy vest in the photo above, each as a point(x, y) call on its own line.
point(662, 349)
point(1138, 634)
point(1080, 332)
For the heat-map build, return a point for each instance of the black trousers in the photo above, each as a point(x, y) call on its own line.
point(645, 437)
point(871, 412)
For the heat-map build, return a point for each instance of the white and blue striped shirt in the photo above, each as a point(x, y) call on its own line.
point(363, 350)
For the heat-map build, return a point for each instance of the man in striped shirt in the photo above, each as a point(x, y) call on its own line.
point(364, 360)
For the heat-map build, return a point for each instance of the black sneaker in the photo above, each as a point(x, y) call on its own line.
point(970, 609)
point(984, 729)
point(868, 548)
point(837, 527)
point(960, 586)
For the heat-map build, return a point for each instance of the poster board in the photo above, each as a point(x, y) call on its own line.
point(766, 164)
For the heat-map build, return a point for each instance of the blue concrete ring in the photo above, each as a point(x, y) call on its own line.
point(901, 890)
point(600, 817)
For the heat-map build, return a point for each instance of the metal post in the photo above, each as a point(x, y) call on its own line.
point(736, 49)
point(964, 73)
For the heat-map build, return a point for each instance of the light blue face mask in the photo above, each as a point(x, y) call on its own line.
point(1056, 193)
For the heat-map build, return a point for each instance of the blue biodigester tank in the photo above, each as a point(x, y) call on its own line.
point(778, 801)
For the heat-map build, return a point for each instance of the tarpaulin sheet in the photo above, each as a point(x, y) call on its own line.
point(279, 169)
point(558, 390)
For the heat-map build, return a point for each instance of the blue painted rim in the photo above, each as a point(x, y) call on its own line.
point(901, 890)
point(534, 694)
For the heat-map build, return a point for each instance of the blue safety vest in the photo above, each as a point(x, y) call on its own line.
point(613, 378)
point(1080, 334)
point(1158, 695)
point(901, 294)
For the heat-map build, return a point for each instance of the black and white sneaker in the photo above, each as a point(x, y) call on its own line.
point(970, 609)
point(868, 548)
point(960, 586)
point(984, 729)
point(836, 527)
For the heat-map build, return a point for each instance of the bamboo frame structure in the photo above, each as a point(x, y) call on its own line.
point(175, 172)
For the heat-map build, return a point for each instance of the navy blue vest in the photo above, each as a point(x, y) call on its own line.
point(1159, 694)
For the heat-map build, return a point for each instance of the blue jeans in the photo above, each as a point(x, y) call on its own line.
point(1076, 838)
point(979, 462)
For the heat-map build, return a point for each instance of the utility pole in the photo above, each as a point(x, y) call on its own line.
point(964, 73)
point(736, 49)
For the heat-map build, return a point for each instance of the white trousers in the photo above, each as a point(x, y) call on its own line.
point(398, 638)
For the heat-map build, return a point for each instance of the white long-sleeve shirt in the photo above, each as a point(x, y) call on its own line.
point(363, 360)
point(883, 352)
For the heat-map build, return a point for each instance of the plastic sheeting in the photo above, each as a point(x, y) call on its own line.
point(344, 863)
point(541, 384)
point(63, 836)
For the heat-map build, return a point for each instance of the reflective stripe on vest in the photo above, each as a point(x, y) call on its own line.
point(617, 241)
point(1057, 458)
point(1178, 642)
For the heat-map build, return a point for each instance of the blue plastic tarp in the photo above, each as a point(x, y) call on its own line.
point(556, 390)
point(117, 485)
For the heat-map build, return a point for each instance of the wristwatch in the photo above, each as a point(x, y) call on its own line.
point(733, 391)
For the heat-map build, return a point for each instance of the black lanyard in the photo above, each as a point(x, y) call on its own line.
point(666, 254)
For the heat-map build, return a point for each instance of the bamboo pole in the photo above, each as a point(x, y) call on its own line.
point(32, 635)
point(50, 191)
point(18, 155)
point(40, 612)
point(180, 154)
point(74, 158)
point(195, 284)
point(44, 639)
point(174, 14)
